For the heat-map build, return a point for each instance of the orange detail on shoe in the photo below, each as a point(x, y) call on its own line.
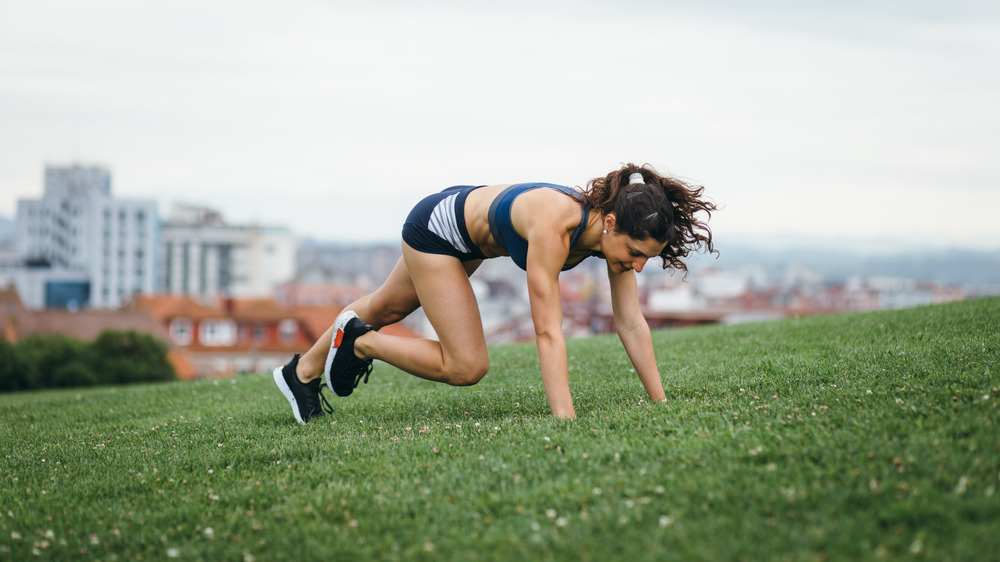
point(339, 339)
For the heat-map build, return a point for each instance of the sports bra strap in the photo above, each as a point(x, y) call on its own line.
point(494, 226)
point(504, 201)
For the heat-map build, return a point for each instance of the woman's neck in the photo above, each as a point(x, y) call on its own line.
point(593, 235)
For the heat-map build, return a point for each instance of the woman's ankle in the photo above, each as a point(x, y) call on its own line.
point(306, 371)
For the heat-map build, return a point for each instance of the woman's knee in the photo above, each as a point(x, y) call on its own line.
point(466, 372)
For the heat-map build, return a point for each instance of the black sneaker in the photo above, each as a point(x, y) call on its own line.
point(307, 399)
point(344, 369)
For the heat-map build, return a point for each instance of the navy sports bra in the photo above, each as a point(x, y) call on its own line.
point(508, 238)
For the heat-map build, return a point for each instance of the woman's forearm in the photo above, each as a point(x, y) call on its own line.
point(555, 374)
point(638, 344)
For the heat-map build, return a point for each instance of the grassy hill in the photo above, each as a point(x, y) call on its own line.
point(868, 436)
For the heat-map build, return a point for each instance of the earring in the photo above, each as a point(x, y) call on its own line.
point(605, 231)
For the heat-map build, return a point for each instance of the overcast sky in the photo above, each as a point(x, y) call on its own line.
point(843, 121)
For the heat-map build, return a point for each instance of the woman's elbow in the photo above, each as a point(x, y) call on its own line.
point(637, 327)
point(548, 336)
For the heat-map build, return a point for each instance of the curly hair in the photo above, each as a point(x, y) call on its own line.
point(661, 207)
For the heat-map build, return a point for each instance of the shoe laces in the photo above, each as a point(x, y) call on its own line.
point(364, 370)
point(324, 405)
point(316, 403)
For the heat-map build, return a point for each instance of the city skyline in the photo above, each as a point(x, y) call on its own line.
point(830, 121)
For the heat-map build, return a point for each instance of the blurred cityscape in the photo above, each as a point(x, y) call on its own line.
point(230, 298)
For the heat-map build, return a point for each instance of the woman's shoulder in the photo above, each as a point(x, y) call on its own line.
point(548, 206)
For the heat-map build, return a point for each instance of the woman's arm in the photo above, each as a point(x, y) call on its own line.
point(546, 314)
point(547, 219)
point(634, 331)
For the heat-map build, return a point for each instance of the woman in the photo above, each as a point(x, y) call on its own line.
point(625, 218)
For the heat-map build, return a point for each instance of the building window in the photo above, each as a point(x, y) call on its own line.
point(258, 333)
point(180, 330)
point(217, 332)
point(287, 329)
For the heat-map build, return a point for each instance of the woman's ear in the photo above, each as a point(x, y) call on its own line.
point(609, 222)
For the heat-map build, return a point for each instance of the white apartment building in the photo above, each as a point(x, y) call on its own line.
point(80, 246)
point(205, 257)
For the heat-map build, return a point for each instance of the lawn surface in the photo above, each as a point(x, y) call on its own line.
point(858, 436)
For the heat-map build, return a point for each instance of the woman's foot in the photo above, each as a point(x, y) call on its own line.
point(344, 369)
point(306, 398)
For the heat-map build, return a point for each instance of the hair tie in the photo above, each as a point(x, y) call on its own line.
point(636, 177)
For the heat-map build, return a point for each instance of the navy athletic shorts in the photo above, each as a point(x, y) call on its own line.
point(436, 225)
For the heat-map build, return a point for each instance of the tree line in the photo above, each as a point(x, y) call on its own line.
point(115, 357)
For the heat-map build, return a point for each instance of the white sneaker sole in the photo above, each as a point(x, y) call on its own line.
point(279, 379)
point(338, 332)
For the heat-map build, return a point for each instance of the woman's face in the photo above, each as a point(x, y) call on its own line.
point(623, 252)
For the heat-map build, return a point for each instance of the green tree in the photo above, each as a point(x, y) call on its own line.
point(44, 356)
point(116, 357)
point(74, 374)
point(14, 370)
point(121, 357)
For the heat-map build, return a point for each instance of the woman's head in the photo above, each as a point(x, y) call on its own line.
point(646, 205)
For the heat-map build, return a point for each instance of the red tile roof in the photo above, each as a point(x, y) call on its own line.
point(258, 310)
point(88, 324)
point(316, 320)
point(19, 322)
point(165, 307)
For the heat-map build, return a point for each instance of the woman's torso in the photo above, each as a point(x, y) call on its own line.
point(477, 211)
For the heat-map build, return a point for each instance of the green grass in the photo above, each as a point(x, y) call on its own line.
point(859, 436)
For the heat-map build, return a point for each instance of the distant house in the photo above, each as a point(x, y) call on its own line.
point(240, 335)
point(233, 337)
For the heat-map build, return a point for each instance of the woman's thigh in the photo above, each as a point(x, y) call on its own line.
point(441, 285)
point(394, 300)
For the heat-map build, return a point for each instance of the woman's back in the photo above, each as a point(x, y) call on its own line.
point(509, 211)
